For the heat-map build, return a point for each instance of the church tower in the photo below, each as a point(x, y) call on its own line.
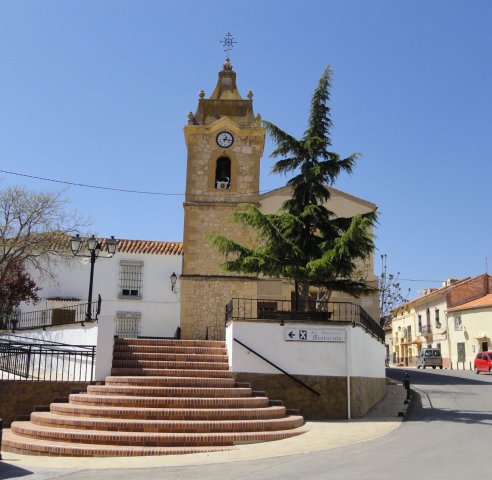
point(225, 142)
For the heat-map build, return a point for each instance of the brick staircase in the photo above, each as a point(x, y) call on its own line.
point(163, 397)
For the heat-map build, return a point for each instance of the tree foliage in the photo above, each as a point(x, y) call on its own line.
point(304, 241)
point(17, 287)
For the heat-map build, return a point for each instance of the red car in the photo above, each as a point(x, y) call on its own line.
point(483, 362)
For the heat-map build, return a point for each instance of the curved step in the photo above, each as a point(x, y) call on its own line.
point(155, 391)
point(170, 372)
point(167, 413)
point(170, 357)
point(152, 364)
point(168, 402)
point(172, 381)
point(33, 446)
point(188, 426)
point(170, 342)
point(170, 349)
point(147, 439)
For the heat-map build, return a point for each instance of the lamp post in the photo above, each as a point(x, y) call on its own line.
point(174, 279)
point(94, 247)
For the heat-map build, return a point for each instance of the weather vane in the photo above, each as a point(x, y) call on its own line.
point(228, 43)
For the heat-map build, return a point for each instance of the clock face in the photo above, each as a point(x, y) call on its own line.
point(225, 139)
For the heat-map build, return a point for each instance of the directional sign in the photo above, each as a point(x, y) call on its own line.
point(315, 334)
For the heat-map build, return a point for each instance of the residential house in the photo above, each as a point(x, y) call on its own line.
point(425, 321)
point(135, 286)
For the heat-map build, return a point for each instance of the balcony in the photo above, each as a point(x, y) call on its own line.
point(285, 310)
point(425, 330)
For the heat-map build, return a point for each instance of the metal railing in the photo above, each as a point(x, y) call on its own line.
point(292, 377)
point(425, 329)
point(50, 317)
point(45, 361)
point(256, 309)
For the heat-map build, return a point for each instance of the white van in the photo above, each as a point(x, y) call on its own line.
point(429, 357)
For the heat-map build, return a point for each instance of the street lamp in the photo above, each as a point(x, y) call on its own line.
point(94, 247)
point(174, 279)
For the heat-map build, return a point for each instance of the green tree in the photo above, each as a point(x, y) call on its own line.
point(304, 241)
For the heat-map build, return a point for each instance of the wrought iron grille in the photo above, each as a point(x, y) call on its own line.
point(47, 361)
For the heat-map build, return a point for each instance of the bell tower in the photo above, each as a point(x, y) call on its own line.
point(224, 141)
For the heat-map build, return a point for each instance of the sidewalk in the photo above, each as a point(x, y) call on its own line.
point(380, 420)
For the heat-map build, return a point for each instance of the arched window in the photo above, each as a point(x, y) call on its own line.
point(223, 174)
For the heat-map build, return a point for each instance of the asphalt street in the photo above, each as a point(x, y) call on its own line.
point(446, 435)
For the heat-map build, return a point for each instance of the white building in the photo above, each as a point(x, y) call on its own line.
point(135, 286)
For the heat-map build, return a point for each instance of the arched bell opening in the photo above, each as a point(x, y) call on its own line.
point(223, 174)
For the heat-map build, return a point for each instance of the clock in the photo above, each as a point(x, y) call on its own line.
point(225, 139)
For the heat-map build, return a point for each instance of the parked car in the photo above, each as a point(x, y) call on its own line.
point(483, 362)
point(429, 357)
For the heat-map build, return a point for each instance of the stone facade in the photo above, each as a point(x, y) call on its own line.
point(332, 402)
point(205, 287)
point(20, 397)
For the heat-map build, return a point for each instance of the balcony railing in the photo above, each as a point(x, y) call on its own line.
point(28, 359)
point(282, 310)
point(50, 317)
point(425, 329)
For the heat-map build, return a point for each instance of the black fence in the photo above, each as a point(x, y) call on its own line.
point(311, 310)
point(46, 361)
point(51, 317)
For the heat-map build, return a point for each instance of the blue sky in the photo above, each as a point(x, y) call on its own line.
point(98, 92)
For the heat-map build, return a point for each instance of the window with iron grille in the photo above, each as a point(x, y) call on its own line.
point(127, 324)
point(131, 274)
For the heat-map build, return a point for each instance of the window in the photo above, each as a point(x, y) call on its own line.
point(438, 346)
point(428, 316)
point(223, 174)
point(457, 323)
point(420, 323)
point(438, 322)
point(130, 279)
point(127, 324)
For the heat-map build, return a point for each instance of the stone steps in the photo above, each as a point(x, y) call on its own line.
point(176, 381)
point(168, 402)
point(157, 364)
point(163, 397)
point(172, 372)
point(154, 391)
point(171, 357)
point(161, 426)
point(146, 439)
point(168, 413)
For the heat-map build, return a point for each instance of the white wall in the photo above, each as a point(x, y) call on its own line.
point(303, 358)
point(159, 306)
point(68, 334)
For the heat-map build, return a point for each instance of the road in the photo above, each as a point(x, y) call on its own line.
point(447, 435)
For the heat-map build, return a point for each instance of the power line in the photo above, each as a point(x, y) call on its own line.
point(99, 187)
point(65, 182)
point(419, 280)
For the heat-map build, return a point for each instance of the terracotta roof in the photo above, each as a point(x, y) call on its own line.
point(149, 246)
point(434, 292)
point(156, 247)
point(482, 302)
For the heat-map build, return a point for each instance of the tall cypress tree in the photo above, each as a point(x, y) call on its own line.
point(304, 241)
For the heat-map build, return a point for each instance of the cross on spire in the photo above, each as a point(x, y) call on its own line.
point(228, 44)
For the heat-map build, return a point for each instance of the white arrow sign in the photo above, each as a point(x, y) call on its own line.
point(315, 334)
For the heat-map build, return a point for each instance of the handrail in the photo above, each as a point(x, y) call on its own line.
point(278, 368)
point(40, 361)
point(311, 310)
point(52, 317)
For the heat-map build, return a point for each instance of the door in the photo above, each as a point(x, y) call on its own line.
point(461, 352)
